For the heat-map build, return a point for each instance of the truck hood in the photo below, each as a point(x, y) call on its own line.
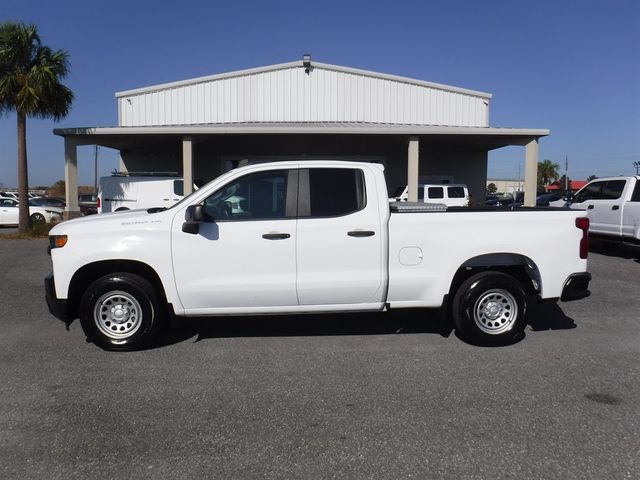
point(113, 220)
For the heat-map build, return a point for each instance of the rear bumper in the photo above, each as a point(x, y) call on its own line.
point(576, 287)
point(57, 307)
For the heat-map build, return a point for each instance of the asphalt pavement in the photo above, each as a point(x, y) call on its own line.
point(341, 396)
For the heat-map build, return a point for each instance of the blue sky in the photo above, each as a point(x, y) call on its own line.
point(570, 66)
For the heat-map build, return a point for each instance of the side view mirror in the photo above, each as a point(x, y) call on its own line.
point(193, 217)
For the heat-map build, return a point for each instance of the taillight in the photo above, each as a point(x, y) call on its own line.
point(583, 224)
point(98, 202)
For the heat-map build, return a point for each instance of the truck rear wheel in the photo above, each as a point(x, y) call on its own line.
point(489, 308)
point(120, 312)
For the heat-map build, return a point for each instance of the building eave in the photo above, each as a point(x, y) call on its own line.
point(337, 128)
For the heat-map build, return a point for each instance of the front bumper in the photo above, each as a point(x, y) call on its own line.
point(57, 307)
point(576, 287)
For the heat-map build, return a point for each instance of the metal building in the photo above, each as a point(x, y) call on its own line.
point(304, 110)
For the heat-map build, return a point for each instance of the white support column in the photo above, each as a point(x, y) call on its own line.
point(71, 177)
point(413, 155)
point(187, 164)
point(531, 173)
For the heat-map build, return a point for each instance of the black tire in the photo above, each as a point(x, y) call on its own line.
point(37, 219)
point(489, 308)
point(120, 311)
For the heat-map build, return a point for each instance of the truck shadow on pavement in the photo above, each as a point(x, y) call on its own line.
point(399, 322)
point(614, 249)
point(546, 316)
point(549, 316)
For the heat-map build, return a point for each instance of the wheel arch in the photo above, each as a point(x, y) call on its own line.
point(516, 265)
point(87, 274)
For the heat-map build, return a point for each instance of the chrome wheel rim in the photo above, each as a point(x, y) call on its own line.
point(117, 315)
point(495, 311)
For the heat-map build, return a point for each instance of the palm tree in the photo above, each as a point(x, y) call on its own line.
point(547, 170)
point(30, 75)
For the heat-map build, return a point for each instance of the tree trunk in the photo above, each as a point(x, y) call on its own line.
point(23, 180)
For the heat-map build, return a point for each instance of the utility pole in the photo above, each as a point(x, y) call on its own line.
point(566, 173)
point(95, 170)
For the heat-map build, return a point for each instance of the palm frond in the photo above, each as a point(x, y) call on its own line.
point(30, 74)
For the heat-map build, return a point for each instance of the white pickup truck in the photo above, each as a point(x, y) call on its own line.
point(310, 237)
point(613, 207)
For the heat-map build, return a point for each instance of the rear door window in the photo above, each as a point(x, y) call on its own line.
point(332, 192)
point(636, 192)
point(612, 190)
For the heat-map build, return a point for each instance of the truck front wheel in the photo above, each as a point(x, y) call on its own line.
point(120, 312)
point(489, 308)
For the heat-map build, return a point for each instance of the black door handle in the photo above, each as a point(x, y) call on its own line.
point(615, 207)
point(275, 236)
point(590, 207)
point(361, 233)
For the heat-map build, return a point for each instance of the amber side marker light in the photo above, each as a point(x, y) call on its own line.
point(57, 241)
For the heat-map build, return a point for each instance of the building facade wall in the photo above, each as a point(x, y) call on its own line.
point(291, 95)
point(466, 165)
point(211, 157)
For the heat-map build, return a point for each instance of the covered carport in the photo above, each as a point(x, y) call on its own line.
point(407, 151)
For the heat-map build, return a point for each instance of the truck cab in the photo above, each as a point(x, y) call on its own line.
point(613, 207)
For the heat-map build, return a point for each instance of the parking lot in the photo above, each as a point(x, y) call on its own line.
point(343, 396)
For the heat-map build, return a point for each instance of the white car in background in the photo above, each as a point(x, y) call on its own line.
point(9, 212)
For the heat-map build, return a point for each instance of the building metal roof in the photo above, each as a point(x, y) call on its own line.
point(573, 185)
point(345, 128)
point(299, 63)
point(128, 137)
